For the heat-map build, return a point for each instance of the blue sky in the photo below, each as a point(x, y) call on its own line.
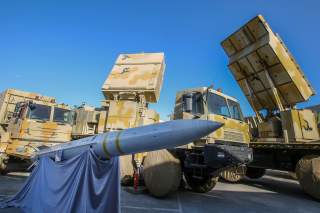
point(66, 49)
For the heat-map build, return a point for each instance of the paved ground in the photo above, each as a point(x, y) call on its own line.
point(274, 193)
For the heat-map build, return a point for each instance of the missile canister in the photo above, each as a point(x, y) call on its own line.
point(164, 135)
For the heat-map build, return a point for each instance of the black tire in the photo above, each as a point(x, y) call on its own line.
point(308, 175)
point(201, 185)
point(255, 173)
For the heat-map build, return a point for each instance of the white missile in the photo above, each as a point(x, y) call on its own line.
point(152, 137)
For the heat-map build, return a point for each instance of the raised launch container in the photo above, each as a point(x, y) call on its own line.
point(260, 62)
point(271, 80)
point(283, 137)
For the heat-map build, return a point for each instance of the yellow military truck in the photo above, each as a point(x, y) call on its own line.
point(227, 147)
point(29, 122)
point(283, 137)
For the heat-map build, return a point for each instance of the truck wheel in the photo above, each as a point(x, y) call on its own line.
point(161, 172)
point(3, 163)
point(308, 174)
point(255, 173)
point(201, 185)
point(126, 170)
point(234, 174)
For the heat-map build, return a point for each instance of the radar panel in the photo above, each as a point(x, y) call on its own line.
point(136, 74)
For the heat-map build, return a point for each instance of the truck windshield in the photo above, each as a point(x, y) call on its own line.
point(235, 110)
point(39, 112)
point(62, 115)
point(217, 105)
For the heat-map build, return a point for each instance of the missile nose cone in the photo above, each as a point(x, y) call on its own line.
point(210, 126)
point(201, 128)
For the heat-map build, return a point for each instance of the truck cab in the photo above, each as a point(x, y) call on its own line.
point(34, 125)
point(209, 104)
point(205, 159)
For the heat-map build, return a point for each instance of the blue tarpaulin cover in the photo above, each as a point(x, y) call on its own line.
point(81, 184)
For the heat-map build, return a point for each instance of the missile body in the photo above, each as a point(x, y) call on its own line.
point(164, 135)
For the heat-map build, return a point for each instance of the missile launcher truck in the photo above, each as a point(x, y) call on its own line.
point(30, 122)
point(283, 137)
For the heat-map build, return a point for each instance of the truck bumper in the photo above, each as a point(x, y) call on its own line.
point(220, 155)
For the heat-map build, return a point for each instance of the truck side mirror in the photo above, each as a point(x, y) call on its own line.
point(32, 106)
point(187, 102)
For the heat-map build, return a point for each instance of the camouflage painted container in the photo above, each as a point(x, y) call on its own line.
point(260, 62)
point(300, 124)
point(135, 74)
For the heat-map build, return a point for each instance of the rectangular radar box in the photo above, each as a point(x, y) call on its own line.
point(141, 74)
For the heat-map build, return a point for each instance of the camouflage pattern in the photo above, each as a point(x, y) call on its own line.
point(264, 68)
point(233, 130)
point(136, 74)
point(86, 121)
point(316, 110)
point(23, 135)
point(274, 83)
point(300, 124)
point(271, 80)
point(134, 81)
point(10, 97)
point(128, 114)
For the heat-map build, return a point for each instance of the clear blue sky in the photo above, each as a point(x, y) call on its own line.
point(66, 48)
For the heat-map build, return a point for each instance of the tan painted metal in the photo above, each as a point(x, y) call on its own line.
point(271, 80)
point(274, 83)
point(233, 130)
point(22, 134)
point(135, 74)
point(254, 49)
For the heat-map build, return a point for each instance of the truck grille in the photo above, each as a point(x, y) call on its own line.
point(233, 136)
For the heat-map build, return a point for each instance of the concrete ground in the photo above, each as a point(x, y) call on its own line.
point(274, 192)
